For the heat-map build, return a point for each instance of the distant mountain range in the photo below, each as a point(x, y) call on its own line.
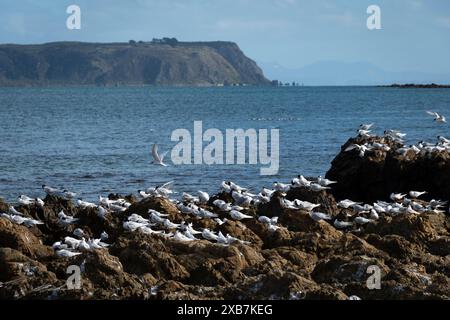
point(159, 62)
point(343, 73)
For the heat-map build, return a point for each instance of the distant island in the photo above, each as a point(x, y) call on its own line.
point(418, 86)
point(163, 62)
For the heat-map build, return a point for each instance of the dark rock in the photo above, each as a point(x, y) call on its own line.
point(20, 238)
point(378, 174)
point(21, 276)
point(3, 206)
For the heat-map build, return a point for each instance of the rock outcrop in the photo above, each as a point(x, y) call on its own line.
point(378, 174)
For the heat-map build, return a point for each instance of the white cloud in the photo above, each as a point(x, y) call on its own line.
point(344, 18)
point(259, 25)
point(416, 4)
point(443, 22)
point(285, 3)
point(15, 23)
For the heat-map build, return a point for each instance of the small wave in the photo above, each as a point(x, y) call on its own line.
point(136, 181)
point(87, 176)
point(275, 119)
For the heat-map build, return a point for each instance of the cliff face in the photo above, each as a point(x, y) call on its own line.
point(74, 63)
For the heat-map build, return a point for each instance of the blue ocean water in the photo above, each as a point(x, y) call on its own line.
point(96, 140)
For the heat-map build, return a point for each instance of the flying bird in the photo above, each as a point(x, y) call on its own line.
point(365, 126)
point(157, 158)
point(437, 117)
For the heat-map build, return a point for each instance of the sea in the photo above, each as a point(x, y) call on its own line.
point(97, 140)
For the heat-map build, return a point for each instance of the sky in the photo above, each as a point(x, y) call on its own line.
point(415, 34)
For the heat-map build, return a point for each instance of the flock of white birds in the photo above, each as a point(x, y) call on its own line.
point(157, 223)
point(422, 148)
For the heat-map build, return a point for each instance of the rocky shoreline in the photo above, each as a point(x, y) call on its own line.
point(323, 252)
point(418, 86)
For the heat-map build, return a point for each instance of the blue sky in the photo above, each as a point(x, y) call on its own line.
point(415, 34)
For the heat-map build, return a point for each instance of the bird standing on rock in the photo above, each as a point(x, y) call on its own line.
point(397, 196)
point(362, 220)
point(317, 187)
point(13, 210)
point(52, 191)
point(325, 182)
point(78, 232)
point(206, 214)
point(23, 199)
point(317, 216)
point(104, 236)
point(222, 205)
point(189, 198)
point(342, 224)
point(225, 186)
point(169, 224)
point(181, 237)
point(66, 220)
point(346, 203)
point(278, 186)
point(85, 204)
point(306, 205)
point(101, 213)
point(241, 199)
point(69, 194)
point(66, 253)
point(203, 196)
point(72, 242)
point(209, 235)
point(220, 222)
point(40, 202)
point(236, 215)
point(416, 194)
